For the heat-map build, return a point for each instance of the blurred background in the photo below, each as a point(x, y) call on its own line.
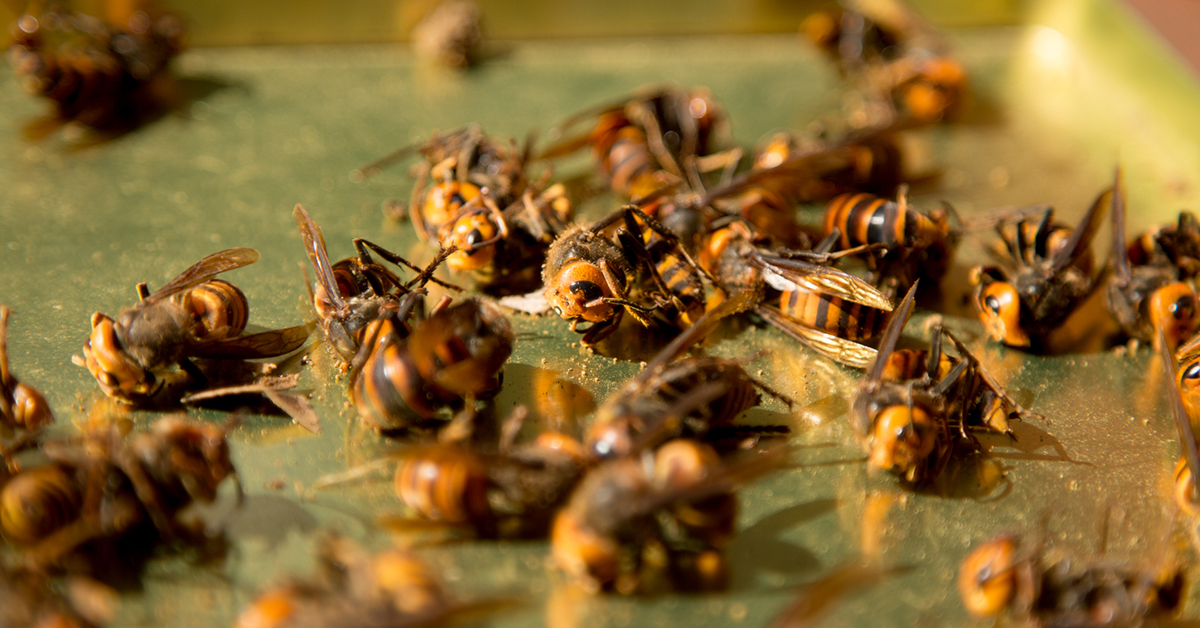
point(272, 22)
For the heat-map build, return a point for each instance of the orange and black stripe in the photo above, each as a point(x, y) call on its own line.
point(832, 315)
point(444, 484)
point(220, 308)
point(867, 219)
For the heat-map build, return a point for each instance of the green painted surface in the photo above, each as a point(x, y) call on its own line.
point(1051, 114)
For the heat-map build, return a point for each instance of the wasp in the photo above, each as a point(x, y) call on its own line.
point(97, 76)
point(1148, 297)
point(351, 293)
point(823, 308)
point(1176, 246)
point(1047, 278)
point(449, 359)
point(511, 492)
point(504, 248)
point(593, 277)
point(192, 316)
point(21, 405)
point(913, 418)
point(657, 130)
point(895, 57)
point(915, 245)
point(609, 535)
point(450, 35)
point(473, 194)
point(676, 397)
point(102, 487)
point(1036, 585)
point(458, 166)
point(869, 160)
point(352, 588)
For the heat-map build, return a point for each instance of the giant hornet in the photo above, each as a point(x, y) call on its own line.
point(676, 397)
point(21, 405)
point(912, 417)
point(97, 76)
point(403, 376)
point(461, 163)
point(482, 204)
point(192, 316)
point(110, 482)
point(350, 294)
point(825, 309)
point(1152, 296)
point(899, 61)
point(594, 277)
point(660, 129)
point(392, 588)
point(512, 492)
point(1036, 586)
point(1188, 467)
point(915, 245)
point(1177, 246)
point(1049, 276)
point(667, 514)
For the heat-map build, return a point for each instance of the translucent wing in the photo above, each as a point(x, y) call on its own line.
point(792, 274)
point(204, 270)
point(837, 349)
point(314, 245)
point(267, 344)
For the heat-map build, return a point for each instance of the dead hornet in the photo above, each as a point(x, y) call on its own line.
point(1177, 246)
point(461, 164)
point(1181, 395)
point(482, 204)
point(99, 74)
point(913, 245)
point(448, 360)
point(1038, 586)
point(1149, 297)
point(656, 520)
point(914, 427)
point(192, 316)
point(352, 588)
point(677, 397)
point(825, 309)
point(660, 128)
point(350, 294)
point(1049, 274)
point(769, 195)
point(595, 277)
point(510, 492)
point(866, 160)
point(103, 486)
point(895, 57)
point(21, 405)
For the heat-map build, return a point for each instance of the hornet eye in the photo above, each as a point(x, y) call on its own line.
point(588, 289)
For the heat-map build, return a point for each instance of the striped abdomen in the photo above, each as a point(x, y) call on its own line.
point(444, 484)
point(219, 307)
point(624, 157)
point(685, 284)
point(866, 219)
point(38, 502)
point(832, 315)
point(389, 392)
